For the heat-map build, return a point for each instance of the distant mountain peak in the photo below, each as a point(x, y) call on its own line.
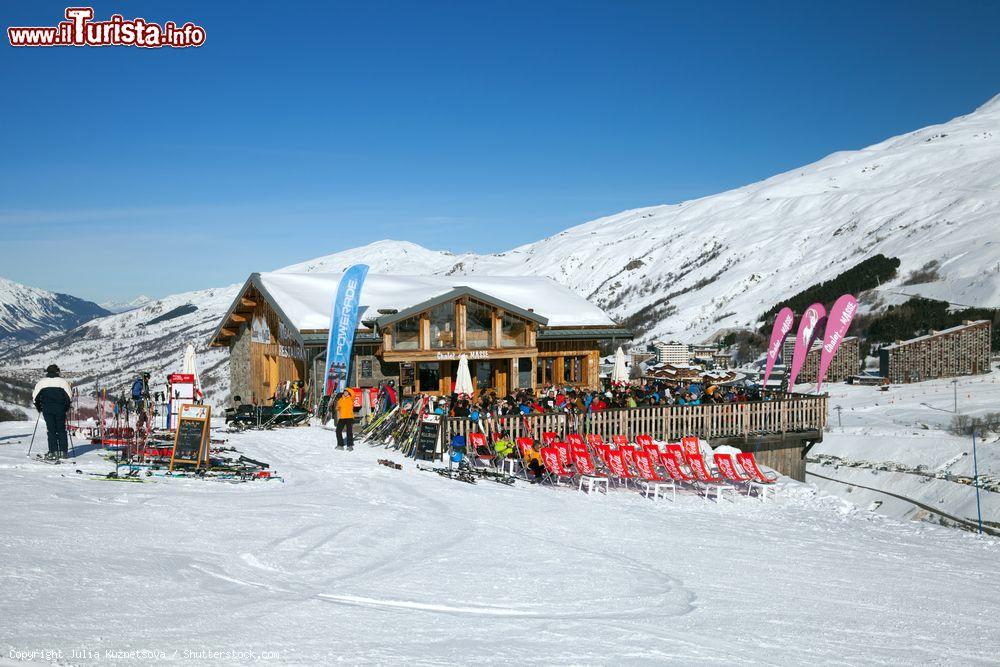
point(123, 306)
point(28, 313)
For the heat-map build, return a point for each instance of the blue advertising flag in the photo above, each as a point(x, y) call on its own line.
point(343, 322)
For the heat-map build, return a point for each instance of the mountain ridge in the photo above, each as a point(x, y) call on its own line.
point(691, 268)
point(30, 313)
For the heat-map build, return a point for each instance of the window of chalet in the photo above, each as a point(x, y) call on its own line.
point(573, 370)
point(429, 373)
point(544, 375)
point(406, 334)
point(442, 317)
point(478, 326)
point(524, 372)
point(513, 332)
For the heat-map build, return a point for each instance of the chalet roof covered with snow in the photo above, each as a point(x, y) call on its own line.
point(305, 300)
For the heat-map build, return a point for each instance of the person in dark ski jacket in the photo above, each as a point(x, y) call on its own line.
point(140, 402)
point(53, 397)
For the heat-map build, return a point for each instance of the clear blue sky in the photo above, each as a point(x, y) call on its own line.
point(300, 129)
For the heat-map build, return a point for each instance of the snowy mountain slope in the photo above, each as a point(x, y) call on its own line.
point(108, 351)
point(28, 313)
point(383, 257)
point(686, 270)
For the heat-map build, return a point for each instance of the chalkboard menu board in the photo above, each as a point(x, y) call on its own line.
point(191, 440)
point(427, 438)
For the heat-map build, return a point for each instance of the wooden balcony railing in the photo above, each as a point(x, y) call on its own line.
point(795, 412)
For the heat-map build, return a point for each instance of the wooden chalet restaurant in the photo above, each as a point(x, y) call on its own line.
point(516, 331)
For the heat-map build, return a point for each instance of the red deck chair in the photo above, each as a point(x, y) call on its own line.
point(707, 479)
point(616, 463)
point(619, 440)
point(575, 439)
point(587, 471)
point(595, 440)
point(750, 467)
point(760, 480)
point(565, 453)
point(651, 480)
point(654, 454)
point(727, 466)
point(643, 440)
point(550, 459)
point(628, 453)
point(604, 453)
point(548, 437)
point(690, 448)
point(673, 464)
point(678, 450)
point(481, 450)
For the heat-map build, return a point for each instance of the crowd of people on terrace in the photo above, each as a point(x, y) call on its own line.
point(574, 400)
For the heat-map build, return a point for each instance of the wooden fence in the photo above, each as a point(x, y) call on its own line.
point(797, 412)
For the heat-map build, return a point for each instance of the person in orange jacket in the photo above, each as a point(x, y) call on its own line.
point(533, 461)
point(345, 419)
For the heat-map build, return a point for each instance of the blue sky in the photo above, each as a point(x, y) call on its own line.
point(300, 129)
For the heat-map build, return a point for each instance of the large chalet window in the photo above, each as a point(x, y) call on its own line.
point(406, 334)
point(513, 332)
point(478, 326)
point(442, 318)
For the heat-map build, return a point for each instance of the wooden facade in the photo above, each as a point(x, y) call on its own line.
point(274, 356)
point(509, 348)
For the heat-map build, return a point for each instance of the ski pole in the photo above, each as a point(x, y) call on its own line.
point(72, 446)
point(33, 434)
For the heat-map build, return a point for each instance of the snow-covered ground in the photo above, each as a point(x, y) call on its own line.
point(901, 430)
point(351, 561)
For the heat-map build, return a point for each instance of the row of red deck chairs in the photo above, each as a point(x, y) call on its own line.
point(653, 469)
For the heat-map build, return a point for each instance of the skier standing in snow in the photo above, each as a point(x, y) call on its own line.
point(53, 397)
point(345, 419)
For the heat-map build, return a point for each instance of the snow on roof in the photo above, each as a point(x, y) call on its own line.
point(307, 298)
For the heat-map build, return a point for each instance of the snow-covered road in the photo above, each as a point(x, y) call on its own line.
point(351, 561)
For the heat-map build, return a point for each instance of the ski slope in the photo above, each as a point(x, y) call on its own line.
point(349, 561)
point(906, 428)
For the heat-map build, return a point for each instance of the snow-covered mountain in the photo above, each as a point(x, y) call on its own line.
point(28, 313)
point(930, 197)
point(124, 306)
